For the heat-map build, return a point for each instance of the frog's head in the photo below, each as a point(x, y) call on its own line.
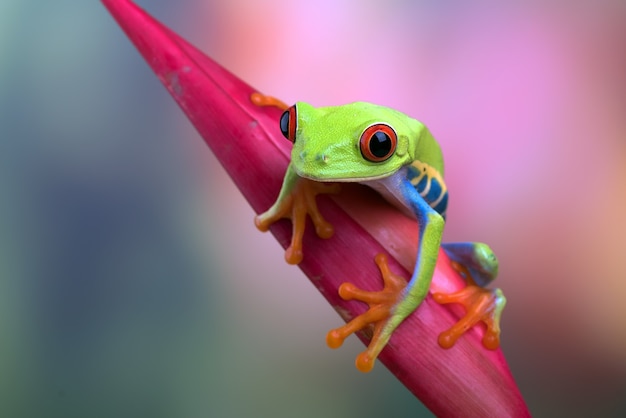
point(354, 142)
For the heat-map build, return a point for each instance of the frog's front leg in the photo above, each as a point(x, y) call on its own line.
point(381, 304)
point(479, 266)
point(391, 306)
point(295, 201)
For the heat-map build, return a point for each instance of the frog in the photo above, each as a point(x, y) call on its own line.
point(398, 157)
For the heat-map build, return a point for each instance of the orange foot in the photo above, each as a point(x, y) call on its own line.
point(298, 203)
point(381, 304)
point(480, 305)
point(295, 206)
point(260, 99)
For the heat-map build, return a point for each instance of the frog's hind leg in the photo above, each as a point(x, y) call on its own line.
point(477, 258)
point(477, 263)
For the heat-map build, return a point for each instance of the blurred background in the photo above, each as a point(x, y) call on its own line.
point(133, 282)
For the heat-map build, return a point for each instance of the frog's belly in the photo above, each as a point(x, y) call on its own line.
point(390, 188)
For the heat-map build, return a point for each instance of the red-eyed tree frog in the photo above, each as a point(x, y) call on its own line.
point(398, 157)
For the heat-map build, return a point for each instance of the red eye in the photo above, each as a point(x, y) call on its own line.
point(288, 123)
point(378, 142)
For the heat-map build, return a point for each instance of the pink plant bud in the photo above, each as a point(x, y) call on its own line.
point(465, 380)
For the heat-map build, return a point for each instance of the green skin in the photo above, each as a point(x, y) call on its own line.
point(327, 149)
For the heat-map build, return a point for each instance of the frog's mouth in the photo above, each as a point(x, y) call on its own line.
point(338, 179)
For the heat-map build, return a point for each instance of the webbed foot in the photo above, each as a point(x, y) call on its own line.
point(295, 205)
point(260, 99)
point(480, 305)
point(296, 200)
point(381, 306)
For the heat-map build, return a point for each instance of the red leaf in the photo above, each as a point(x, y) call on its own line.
point(466, 380)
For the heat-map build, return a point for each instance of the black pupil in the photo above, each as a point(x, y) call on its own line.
point(284, 124)
point(380, 144)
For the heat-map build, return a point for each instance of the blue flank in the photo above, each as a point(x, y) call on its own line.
point(429, 185)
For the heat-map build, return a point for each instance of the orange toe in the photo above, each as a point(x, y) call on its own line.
point(296, 206)
point(480, 305)
point(381, 304)
point(260, 99)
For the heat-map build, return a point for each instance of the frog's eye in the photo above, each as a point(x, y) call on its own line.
point(288, 123)
point(378, 142)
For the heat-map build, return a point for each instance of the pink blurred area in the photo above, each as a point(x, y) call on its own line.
point(528, 102)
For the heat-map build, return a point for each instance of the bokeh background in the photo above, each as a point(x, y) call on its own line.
point(132, 280)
